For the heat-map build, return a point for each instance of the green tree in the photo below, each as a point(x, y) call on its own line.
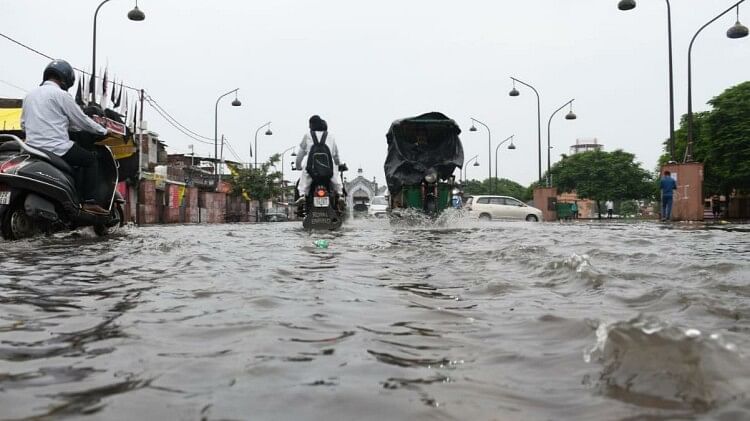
point(501, 187)
point(258, 183)
point(721, 141)
point(600, 176)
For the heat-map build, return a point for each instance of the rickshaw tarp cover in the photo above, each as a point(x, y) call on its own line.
point(417, 144)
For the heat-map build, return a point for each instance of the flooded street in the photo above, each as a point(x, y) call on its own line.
point(469, 321)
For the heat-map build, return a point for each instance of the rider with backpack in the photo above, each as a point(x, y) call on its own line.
point(322, 158)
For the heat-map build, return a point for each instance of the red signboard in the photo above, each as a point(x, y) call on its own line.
point(116, 127)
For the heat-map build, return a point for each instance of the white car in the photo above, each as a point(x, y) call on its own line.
point(378, 207)
point(501, 207)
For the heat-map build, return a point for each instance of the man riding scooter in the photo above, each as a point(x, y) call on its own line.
point(317, 141)
point(48, 113)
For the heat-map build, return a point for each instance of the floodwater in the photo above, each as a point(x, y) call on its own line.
point(465, 321)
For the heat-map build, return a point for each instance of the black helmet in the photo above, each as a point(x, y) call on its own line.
point(62, 71)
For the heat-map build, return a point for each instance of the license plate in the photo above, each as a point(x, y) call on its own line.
point(321, 202)
point(4, 198)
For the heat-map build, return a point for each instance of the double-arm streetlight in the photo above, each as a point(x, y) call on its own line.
point(235, 103)
point(135, 15)
point(629, 5)
point(515, 92)
point(489, 145)
point(735, 32)
point(511, 147)
point(476, 164)
point(268, 133)
point(570, 116)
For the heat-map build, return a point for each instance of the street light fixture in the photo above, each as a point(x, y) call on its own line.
point(489, 145)
point(235, 103)
point(734, 32)
point(514, 92)
point(570, 116)
point(476, 164)
point(135, 15)
point(511, 147)
point(626, 4)
point(738, 30)
point(268, 133)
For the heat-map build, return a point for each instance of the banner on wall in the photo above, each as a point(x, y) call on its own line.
point(176, 196)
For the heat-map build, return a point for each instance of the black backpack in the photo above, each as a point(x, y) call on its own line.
point(319, 161)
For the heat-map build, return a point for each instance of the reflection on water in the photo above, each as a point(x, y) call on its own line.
point(454, 320)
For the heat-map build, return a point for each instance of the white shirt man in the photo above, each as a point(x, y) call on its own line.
point(48, 113)
point(303, 149)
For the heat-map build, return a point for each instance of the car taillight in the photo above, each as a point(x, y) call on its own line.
point(11, 163)
point(321, 192)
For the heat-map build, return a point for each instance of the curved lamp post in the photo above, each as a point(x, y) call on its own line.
point(514, 92)
point(235, 103)
point(268, 133)
point(135, 15)
point(511, 147)
point(489, 145)
point(737, 31)
point(570, 116)
point(283, 192)
point(629, 5)
point(476, 164)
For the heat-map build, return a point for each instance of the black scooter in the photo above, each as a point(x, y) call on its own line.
point(38, 193)
point(323, 209)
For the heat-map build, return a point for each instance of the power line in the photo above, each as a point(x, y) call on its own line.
point(156, 105)
point(52, 58)
point(13, 86)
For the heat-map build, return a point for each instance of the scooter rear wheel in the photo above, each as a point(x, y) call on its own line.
point(15, 224)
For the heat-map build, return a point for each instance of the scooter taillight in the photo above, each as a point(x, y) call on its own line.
point(11, 163)
point(321, 192)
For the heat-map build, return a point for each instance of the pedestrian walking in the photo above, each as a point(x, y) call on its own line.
point(610, 208)
point(668, 185)
point(574, 210)
point(716, 206)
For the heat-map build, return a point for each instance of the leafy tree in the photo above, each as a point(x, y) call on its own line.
point(721, 141)
point(501, 187)
point(258, 183)
point(599, 176)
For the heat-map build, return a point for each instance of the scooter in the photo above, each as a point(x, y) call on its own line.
point(323, 209)
point(38, 192)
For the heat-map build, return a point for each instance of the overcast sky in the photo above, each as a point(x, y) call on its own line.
point(361, 65)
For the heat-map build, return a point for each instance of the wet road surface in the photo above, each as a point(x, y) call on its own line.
point(466, 321)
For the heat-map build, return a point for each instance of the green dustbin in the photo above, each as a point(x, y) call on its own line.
point(564, 210)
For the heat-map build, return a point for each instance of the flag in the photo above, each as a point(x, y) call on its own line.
point(105, 91)
point(125, 108)
point(135, 116)
point(112, 98)
point(119, 98)
point(79, 91)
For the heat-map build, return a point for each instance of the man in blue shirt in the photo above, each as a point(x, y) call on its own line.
point(668, 186)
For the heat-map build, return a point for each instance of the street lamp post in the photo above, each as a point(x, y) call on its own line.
point(489, 145)
point(735, 32)
point(514, 92)
point(476, 164)
point(629, 5)
point(268, 133)
point(570, 116)
point(283, 192)
point(135, 15)
point(235, 103)
point(511, 147)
